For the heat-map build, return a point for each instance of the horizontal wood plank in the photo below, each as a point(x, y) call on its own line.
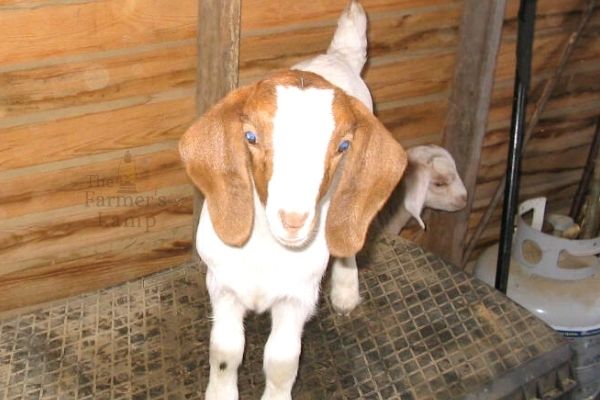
point(574, 90)
point(546, 53)
point(36, 239)
point(59, 29)
point(546, 7)
point(95, 270)
point(410, 78)
point(48, 190)
point(406, 34)
point(263, 14)
point(56, 86)
point(411, 123)
point(119, 129)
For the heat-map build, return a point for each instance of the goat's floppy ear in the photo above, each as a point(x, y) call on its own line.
point(416, 183)
point(373, 166)
point(216, 159)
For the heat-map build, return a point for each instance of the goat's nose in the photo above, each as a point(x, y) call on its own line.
point(292, 221)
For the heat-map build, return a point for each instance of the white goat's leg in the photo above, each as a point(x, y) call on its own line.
point(226, 347)
point(282, 350)
point(344, 285)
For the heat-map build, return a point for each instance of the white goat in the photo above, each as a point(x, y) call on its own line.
point(430, 180)
point(293, 169)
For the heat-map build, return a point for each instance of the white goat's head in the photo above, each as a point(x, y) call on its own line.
point(431, 180)
point(284, 138)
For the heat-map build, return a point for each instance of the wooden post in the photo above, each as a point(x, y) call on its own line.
point(480, 32)
point(218, 62)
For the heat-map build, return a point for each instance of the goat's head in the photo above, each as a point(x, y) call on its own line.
point(285, 137)
point(432, 181)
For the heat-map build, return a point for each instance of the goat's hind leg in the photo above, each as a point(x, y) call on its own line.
point(282, 351)
point(226, 347)
point(344, 285)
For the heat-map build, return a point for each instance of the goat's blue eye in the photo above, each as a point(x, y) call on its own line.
point(344, 145)
point(250, 137)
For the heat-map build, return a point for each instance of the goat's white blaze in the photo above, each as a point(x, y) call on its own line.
point(302, 128)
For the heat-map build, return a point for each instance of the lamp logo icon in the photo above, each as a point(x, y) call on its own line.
point(127, 174)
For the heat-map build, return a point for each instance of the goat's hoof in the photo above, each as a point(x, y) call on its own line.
point(344, 301)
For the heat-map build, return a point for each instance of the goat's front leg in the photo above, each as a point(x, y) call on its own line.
point(226, 347)
point(282, 350)
point(344, 285)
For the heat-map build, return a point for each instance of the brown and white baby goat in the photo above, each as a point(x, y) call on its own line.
point(293, 170)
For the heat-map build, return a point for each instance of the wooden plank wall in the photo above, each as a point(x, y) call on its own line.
point(90, 89)
point(555, 155)
point(88, 85)
point(93, 95)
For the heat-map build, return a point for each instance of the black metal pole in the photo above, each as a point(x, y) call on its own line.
point(517, 131)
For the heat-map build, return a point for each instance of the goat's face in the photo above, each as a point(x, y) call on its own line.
point(446, 190)
point(285, 137)
point(432, 181)
point(310, 133)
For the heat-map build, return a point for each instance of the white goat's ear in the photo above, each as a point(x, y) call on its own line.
point(416, 183)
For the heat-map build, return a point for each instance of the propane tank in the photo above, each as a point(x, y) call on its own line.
point(558, 280)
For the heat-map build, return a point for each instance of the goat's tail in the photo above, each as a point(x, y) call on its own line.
point(350, 39)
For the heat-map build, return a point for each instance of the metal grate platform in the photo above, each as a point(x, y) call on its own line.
point(424, 330)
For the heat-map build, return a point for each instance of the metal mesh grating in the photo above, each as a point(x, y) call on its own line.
point(424, 330)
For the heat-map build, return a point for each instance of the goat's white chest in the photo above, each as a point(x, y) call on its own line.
point(262, 271)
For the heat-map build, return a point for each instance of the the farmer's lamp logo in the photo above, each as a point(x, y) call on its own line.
point(118, 200)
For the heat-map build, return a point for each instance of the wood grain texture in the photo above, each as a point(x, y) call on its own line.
point(555, 146)
point(263, 14)
point(94, 270)
point(411, 124)
point(138, 122)
point(410, 78)
point(61, 30)
point(407, 34)
point(67, 187)
point(553, 159)
point(141, 72)
point(481, 28)
point(36, 239)
point(83, 82)
point(546, 53)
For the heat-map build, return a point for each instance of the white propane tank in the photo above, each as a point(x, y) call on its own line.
point(559, 281)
